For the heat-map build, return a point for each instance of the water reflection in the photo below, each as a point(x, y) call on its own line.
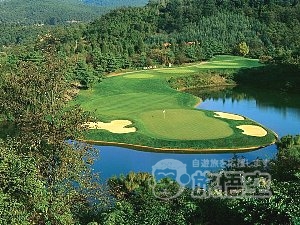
point(277, 111)
point(117, 160)
point(275, 100)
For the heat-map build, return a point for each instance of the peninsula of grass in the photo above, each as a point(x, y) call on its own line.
point(166, 119)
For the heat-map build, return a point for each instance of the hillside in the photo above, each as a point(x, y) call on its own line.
point(160, 33)
point(22, 21)
point(183, 31)
point(116, 3)
point(54, 12)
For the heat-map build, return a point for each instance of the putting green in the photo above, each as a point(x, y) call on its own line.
point(184, 124)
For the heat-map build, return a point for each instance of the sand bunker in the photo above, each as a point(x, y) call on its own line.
point(229, 116)
point(253, 130)
point(115, 126)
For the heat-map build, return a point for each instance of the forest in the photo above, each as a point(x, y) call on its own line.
point(49, 12)
point(173, 32)
point(44, 60)
point(179, 31)
point(53, 12)
point(117, 3)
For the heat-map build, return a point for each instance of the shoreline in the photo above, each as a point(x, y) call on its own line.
point(178, 150)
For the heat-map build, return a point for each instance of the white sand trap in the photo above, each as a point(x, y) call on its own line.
point(229, 116)
point(253, 130)
point(115, 126)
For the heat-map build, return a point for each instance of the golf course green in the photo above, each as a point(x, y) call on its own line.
point(189, 125)
point(165, 119)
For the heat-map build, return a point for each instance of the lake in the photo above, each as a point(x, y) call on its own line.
point(274, 109)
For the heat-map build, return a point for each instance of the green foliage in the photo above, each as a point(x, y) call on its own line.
point(139, 203)
point(85, 74)
point(287, 165)
point(23, 196)
point(116, 3)
point(51, 12)
point(122, 213)
point(203, 79)
point(243, 48)
point(283, 206)
point(177, 32)
point(34, 101)
point(136, 203)
point(186, 31)
point(282, 77)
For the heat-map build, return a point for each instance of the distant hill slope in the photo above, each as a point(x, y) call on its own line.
point(56, 11)
point(47, 11)
point(117, 3)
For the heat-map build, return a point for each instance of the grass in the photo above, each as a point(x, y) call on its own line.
point(139, 76)
point(141, 97)
point(185, 126)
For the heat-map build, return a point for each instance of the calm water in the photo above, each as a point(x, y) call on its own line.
point(277, 111)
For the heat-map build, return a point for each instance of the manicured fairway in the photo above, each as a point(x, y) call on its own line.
point(139, 76)
point(142, 96)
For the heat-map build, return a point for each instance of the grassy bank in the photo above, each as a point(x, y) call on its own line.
point(164, 117)
point(220, 71)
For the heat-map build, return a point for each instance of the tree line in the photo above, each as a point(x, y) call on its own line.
point(51, 12)
point(164, 33)
point(117, 3)
point(168, 32)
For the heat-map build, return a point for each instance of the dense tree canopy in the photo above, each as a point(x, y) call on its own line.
point(47, 180)
point(49, 12)
point(185, 31)
point(117, 3)
point(177, 31)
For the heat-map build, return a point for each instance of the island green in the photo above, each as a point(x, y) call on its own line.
point(166, 119)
